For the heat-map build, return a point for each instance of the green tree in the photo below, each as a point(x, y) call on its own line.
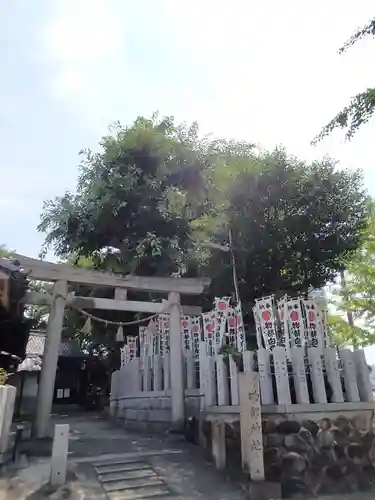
point(157, 192)
point(123, 215)
point(344, 335)
point(291, 222)
point(358, 295)
point(362, 106)
point(4, 252)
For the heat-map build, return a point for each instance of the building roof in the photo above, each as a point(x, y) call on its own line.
point(36, 343)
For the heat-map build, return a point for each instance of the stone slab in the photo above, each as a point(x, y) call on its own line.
point(264, 490)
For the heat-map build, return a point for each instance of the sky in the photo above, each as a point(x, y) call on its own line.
point(264, 71)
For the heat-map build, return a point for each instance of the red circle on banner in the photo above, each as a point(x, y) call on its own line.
point(185, 324)
point(281, 315)
point(294, 316)
point(231, 322)
point(266, 315)
point(209, 327)
point(195, 329)
point(312, 316)
point(221, 305)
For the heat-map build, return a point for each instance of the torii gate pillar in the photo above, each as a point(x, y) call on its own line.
point(176, 362)
point(50, 358)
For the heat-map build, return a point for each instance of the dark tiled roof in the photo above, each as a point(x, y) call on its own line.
point(36, 342)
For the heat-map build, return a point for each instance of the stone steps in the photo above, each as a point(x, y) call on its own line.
point(126, 475)
point(139, 494)
point(121, 467)
point(124, 479)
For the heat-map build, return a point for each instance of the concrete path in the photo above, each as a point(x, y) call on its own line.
point(109, 463)
point(162, 466)
point(106, 462)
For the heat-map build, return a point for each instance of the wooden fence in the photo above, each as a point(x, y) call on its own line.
point(310, 376)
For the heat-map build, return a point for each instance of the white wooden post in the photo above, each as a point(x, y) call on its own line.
point(146, 374)
point(210, 383)
point(137, 374)
point(190, 370)
point(251, 426)
point(248, 361)
point(129, 379)
point(50, 356)
point(350, 379)
point(222, 381)
point(218, 443)
point(316, 373)
point(113, 404)
point(299, 375)
point(265, 378)
point(166, 371)
point(121, 293)
point(157, 373)
point(202, 373)
point(281, 375)
point(363, 376)
point(177, 368)
point(59, 455)
point(333, 374)
point(234, 388)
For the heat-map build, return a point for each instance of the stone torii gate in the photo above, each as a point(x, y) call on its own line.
point(62, 274)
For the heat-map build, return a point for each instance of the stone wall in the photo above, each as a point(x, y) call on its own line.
point(334, 454)
point(192, 403)
point(146, 411)
point(151, 410)
point(309, 452)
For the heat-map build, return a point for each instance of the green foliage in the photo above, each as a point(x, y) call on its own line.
point(157, 192)
point(291, 223)
point(4, 252)
point(342, 334)
point(362, 106)
point(123, 214)
point(3, 376)
point(367, 30)
point(38, 315)
point(359, 292)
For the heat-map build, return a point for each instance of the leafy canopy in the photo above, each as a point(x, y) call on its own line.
point(344, 335)
point(292, 222)
point(362, 106)
point(358, 295)
point(123, 214)
point(156, 192)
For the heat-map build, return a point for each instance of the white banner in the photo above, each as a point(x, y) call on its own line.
point(196, 330)
point(296, 323)
point(186, 334)
point(266, 308)
point(284, 338)
point(208, 331)
point(221, 307)
point(241, 342)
